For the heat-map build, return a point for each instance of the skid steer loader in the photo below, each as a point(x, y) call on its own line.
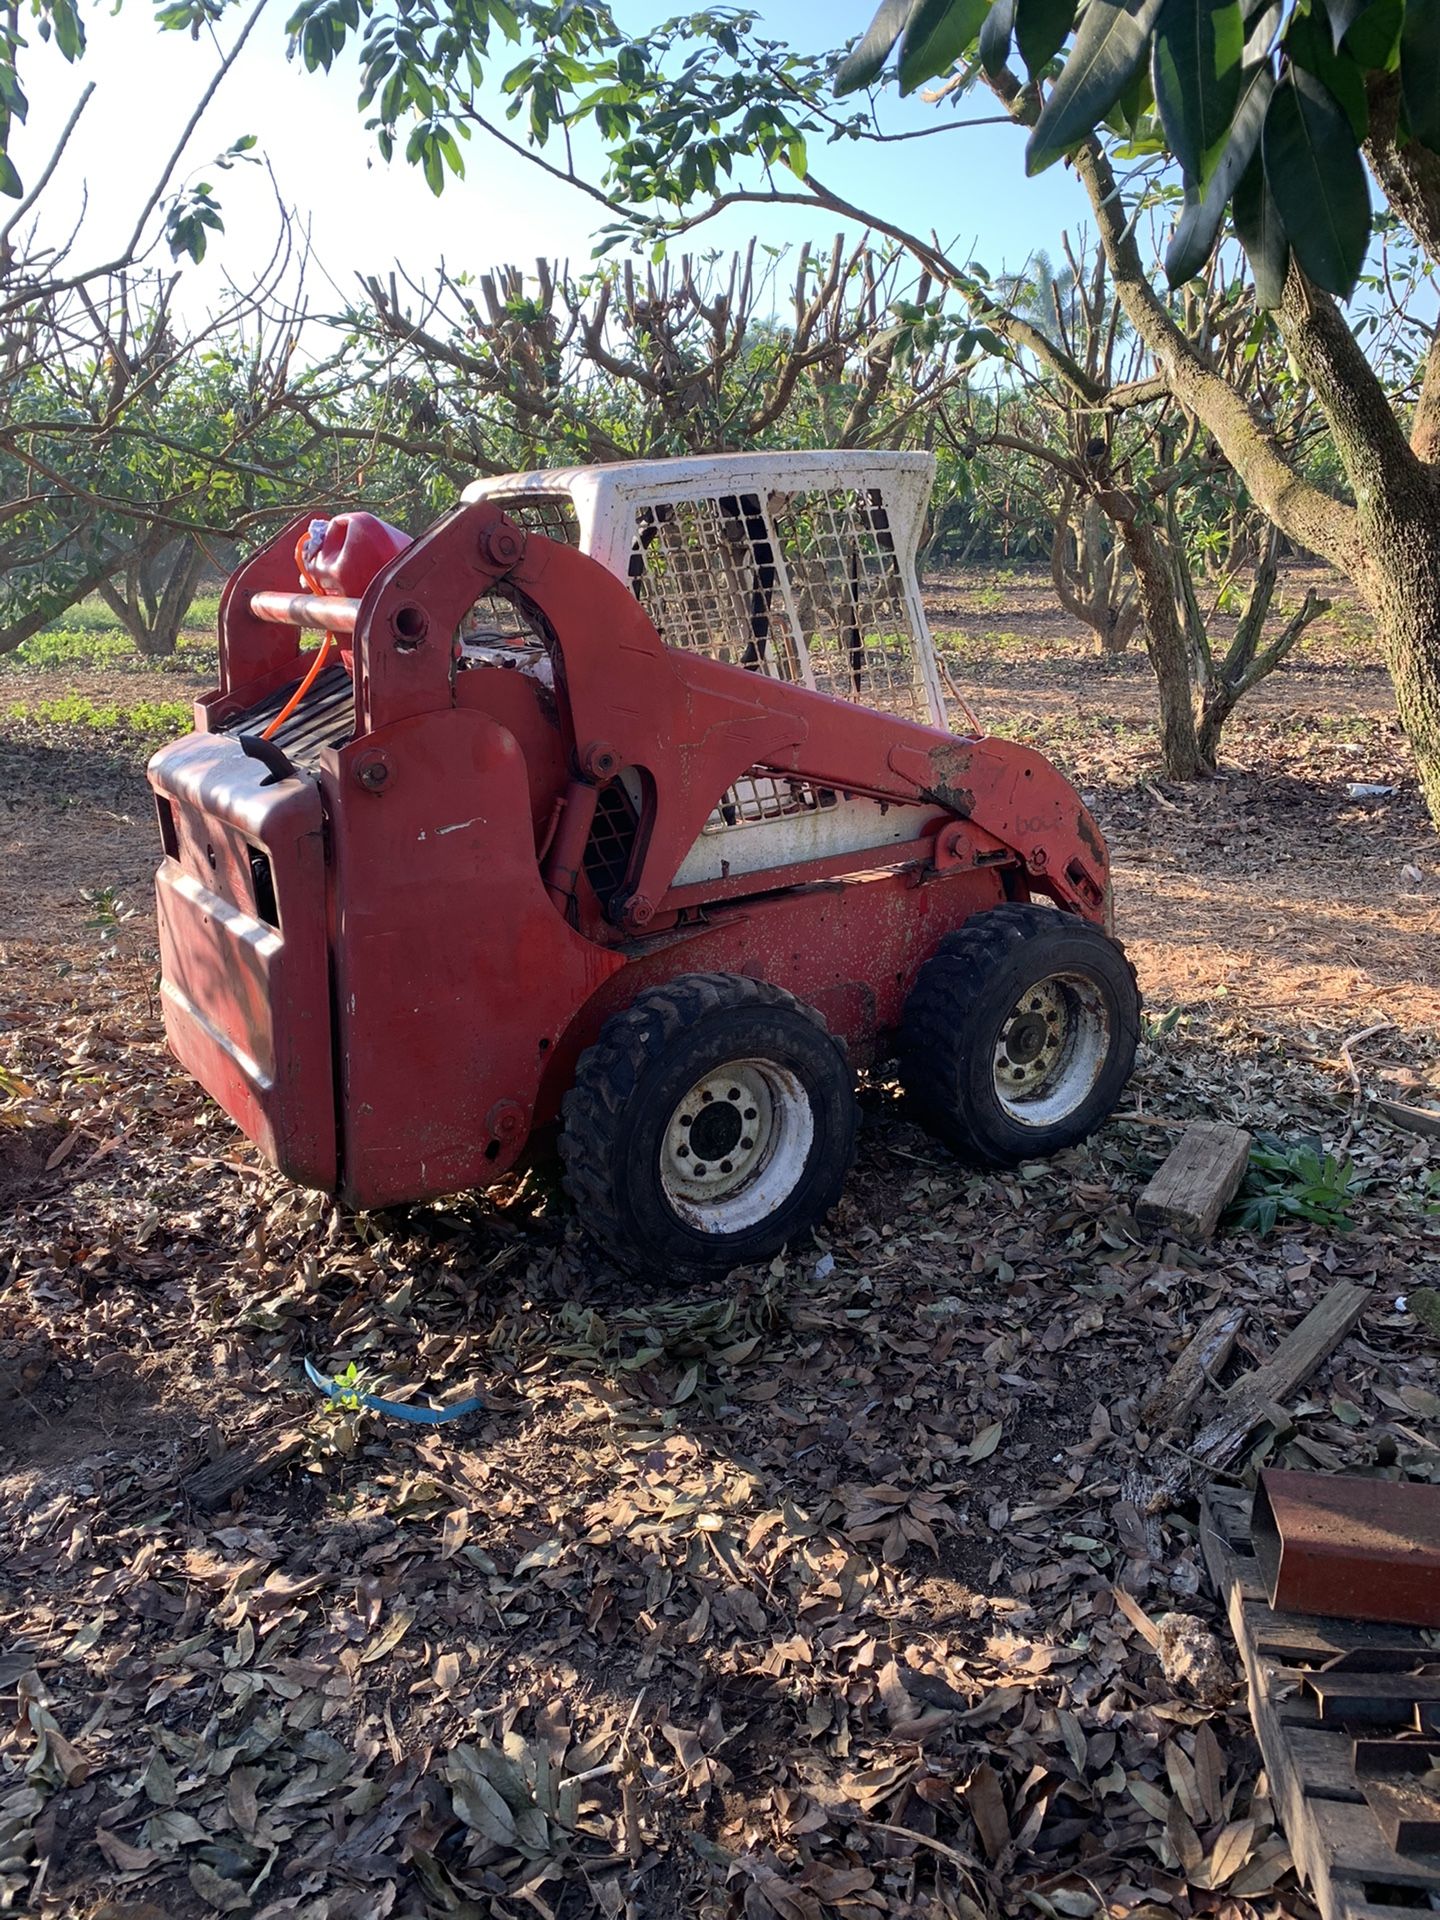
point(624, 800)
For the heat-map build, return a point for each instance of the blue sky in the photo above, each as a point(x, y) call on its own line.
point(364, 215)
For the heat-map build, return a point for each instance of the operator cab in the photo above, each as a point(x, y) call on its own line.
point(797, 565)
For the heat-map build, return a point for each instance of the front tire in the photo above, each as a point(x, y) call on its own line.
point(1019, 1035)
point(711, 1122)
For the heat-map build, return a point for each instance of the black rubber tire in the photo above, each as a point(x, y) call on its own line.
point(957, 1011)
point(628, 1086)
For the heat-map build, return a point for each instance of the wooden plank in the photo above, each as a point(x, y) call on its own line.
point(1293, 1361)
point(1304, 1639)
point(1414, 1119)
point(1357, 1849)
point(1200, 1360)
point(1326, 1760)
point(239, 1467)
point(1199, 1176)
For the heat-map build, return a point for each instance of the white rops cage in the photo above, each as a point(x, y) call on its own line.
point(798, 565)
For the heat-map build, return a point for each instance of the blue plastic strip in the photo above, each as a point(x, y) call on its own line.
point(397, 1409)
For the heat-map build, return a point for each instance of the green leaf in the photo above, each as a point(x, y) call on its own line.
point(1199, 225)
point(1109, 46)
point(1341, 14)
point(1196, 72)
point(1315, 176)
point(1374, 35)
point(1262, 23)
point(938, 33)
point(1040, 30)
point(865, 59)
point(9, 178)
point(1420, 70)
point(69, 30)
point(1135, 104)
point(1261, 232)
point(1309, 46)
point(995, 36)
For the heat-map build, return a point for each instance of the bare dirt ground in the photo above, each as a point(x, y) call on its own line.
point(794, 1598)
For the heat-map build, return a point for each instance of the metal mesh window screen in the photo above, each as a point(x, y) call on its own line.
point(550, 514)
point(758, 796)
point(705, 572)
point(848, 589)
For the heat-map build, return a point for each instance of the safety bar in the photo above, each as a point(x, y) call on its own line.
point(332, 614)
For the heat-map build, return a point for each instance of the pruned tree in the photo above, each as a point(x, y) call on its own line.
point(693, 355)
point(1093, 580)
point(1082, 401)
point(1263, 110)
point(150, 594)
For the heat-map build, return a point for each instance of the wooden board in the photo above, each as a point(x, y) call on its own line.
point(1256, 1394)
point(1199, 1177)
point(239, 1467)
point(1209, 1347)
point(1351, 1870)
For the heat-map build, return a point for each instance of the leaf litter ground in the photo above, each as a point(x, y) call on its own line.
point(832, 1591)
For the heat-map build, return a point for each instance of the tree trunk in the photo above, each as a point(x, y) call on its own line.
point(52, 606)
point(155, 597)
point(1164, 639)
point(1405, 593)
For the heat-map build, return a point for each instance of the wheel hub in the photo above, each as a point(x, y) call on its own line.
point(719, 1132)
point(736, 1145)
point(1051, 1049)
point(1032, 1040)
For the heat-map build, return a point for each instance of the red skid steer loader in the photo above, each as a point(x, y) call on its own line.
point(624, 798)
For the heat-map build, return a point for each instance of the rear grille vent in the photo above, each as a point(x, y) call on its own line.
point(262, 884)
point(324, 718)
point(611, 842)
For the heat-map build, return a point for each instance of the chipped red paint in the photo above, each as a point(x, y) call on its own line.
point(440, 958)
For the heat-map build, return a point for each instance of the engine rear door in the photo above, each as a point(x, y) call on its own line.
point(245, 982)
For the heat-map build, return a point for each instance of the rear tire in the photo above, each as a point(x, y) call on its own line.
point(711, 1122)
point(1019, 1035)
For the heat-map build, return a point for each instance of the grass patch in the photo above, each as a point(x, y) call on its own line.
point(88, 636)
point(160, 718)
point(84, 649)
point(959, 647)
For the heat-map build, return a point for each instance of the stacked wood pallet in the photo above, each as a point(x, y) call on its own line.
point(1339, 1845)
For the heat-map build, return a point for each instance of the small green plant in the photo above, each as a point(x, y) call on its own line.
point(1156, 1026)
point(339, 1419)
point(1295, 1180)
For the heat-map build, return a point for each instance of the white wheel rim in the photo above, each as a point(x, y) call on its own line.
point(1052, 1048)
point(736, 1147)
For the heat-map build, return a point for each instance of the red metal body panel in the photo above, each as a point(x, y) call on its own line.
point(449, 944)
point(849, 948)
point(453, 979)
point(247, 1003)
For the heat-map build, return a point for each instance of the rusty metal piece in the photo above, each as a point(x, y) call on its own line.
point(1356, 1549)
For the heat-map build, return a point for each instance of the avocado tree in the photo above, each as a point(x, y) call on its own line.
point(1268, 123)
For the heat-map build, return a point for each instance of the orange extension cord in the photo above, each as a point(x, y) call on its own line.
point(307, 579)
